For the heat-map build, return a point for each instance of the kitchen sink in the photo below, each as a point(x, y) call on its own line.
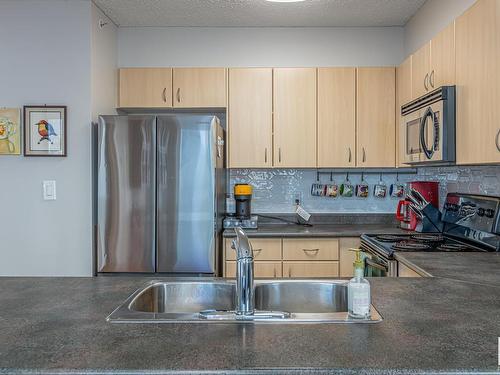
point(305, 301)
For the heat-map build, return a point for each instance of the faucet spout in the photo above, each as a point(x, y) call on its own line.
point(244, 274)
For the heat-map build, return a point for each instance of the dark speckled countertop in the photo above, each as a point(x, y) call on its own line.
point(439, 324)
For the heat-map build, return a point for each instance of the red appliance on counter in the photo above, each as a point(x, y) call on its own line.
point(429, 190)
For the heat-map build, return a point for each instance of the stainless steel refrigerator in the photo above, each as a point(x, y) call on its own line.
point(160, 193)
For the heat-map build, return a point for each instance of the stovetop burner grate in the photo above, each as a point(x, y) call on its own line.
point(428, 237)
point(453, 247)
point(390, 238)
point(410, 246)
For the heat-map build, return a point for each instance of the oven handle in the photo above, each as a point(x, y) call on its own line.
point(371, 263)
point(423, 121)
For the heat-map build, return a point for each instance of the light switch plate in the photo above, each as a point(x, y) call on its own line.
point(49, 190)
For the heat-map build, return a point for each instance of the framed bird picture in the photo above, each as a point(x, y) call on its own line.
point(45, 130)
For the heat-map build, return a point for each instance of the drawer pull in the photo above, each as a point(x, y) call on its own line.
point(308, 251)
point(290, 272)
point(256, 252)
point(274, 272)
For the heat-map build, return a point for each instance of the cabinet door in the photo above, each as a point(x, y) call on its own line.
point(199, 87)
point(263, 249)
point(347, 257)
point(250, 117)
point(443, 58)
point(310, 269)
point(403, 92)
point(478, 82)
point(294, 117)
point(261, 270)
point(310, 249)
point(376, 132)
point(145, 88)
point(336, 117)
point(420, 71)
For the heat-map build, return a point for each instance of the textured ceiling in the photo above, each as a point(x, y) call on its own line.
point(232, 13)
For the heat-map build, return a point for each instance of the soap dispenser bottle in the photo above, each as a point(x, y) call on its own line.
point(358, 291)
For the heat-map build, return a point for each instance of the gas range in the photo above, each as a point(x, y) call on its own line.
point(471, 224)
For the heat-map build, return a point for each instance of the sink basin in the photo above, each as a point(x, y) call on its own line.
point(182, 297)
point(307, 301)
point(302, 297)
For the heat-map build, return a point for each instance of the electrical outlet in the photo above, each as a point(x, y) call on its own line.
point(297, 198)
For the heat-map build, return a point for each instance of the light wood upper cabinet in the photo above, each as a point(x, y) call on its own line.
point(294, 99)
point(404, 95)
point(376, 108)
point(336, 117)
point(443, 58)
point(145, 87)
point(250, 116)
point(421, 66)
point(478, 82)
point(199, 87)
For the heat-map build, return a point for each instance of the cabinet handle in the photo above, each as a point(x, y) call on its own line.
point(364, 155)
point(274, 272)
point(425, 82)
point(257, 251)
point(350, 155)
point(307, 251)
point(289, 271)
point(431, 79)
point(497, 140)
point(178, 95)
point(164, 94)
point(279, 154)
point(265, 155)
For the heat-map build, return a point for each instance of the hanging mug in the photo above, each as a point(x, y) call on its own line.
point(318, 190)
point(397, 190)
point(380, 189)
point(347, 189)
point(332, 190)
point(362, 189)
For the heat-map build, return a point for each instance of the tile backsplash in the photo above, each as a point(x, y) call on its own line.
point(275, 190)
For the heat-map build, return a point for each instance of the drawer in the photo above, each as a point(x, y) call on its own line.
point(261, 269)
point(263, 249)
point(310, 269)
point(310, 249)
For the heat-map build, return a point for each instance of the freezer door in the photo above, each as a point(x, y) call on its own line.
point(126, 159)
point(186, 193)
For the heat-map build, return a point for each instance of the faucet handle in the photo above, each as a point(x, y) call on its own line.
point(242, 245)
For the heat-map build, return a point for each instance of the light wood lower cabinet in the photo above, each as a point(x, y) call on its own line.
point(405, 271)
point(347, 257)
point(262, 269)
point(310, 249)
point(293, 257)
point(310, 269)
point(263, 249)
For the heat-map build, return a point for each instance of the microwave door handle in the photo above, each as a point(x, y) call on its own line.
point(423, 121)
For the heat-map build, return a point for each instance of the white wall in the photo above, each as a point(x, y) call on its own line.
point(431, 18)
point(178, 46)
point(45, 59)
point(104, 60)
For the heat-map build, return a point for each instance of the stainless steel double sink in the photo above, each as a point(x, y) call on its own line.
point(307, 301)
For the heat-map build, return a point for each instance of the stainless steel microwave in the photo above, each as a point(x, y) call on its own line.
point(428, 128)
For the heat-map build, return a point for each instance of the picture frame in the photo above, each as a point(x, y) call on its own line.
point(45, 130)
point(10, 131)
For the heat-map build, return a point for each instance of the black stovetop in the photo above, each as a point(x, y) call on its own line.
point(422, 242)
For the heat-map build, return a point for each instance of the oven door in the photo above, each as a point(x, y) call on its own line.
point(410, 131)
point(431, 132)
point(376, 266)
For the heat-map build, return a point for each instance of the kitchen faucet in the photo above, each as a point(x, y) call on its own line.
point(245, 304)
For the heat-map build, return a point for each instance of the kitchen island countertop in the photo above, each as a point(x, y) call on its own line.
point(430, 324)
